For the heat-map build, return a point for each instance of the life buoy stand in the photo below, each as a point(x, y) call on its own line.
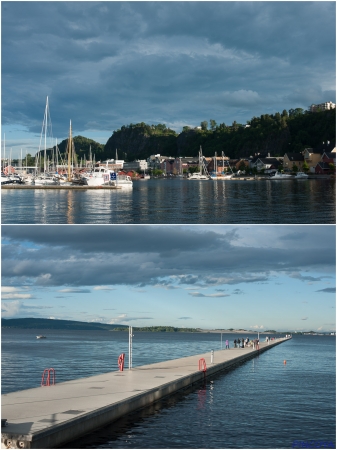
point(202, 365)
point(121, 358)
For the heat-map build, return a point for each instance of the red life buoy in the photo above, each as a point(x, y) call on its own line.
point(121, 361)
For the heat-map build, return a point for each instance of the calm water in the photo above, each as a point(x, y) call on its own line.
point(261, 403)
point(160, 201)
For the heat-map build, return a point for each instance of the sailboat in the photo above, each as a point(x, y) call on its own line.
point(203, 173)
point(224, 175)
point(44, 178)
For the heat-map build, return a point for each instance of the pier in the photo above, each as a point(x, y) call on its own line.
point(56, 186)
point(49, 416)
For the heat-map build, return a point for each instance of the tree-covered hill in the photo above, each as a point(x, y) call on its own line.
point(82, 148)
point(140, 141)
point(55, 324)
point(276, 134)
point(289, 131)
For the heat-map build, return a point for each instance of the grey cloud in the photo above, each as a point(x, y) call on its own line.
point(199, 294)
point(256, 56)
point(328, 290)
point(76, 291)
point(134, 256)
point(119, 239)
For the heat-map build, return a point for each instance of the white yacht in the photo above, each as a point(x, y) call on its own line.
point(198, 176)
point(102, 176)
point(301, 175)
point(124, 181)
point(45, 180)
point(222, 176)
point(281, 176)
point(5, 179)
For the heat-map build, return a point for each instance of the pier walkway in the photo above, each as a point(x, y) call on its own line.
point(57, 187)
point(48, 416)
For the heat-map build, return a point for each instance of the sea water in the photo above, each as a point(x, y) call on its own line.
point(178, 201)
point(261, 403)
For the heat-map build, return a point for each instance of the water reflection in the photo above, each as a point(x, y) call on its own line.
point(178, 201)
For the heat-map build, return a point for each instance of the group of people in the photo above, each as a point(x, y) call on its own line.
point(245, 343)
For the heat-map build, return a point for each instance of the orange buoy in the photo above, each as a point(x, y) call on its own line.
point(284, 362)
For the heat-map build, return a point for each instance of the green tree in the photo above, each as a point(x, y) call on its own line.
point(29, 160)
point(212, 124)
point(204, 125)
point(295, 168)
point(305, 167)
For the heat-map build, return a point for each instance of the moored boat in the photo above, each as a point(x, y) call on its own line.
point(203, 173)
point(40, 336)
point(103, 176)
point(301, 175)
point(281, 176)
point(45, 180)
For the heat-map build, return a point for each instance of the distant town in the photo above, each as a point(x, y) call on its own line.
point(289, 142)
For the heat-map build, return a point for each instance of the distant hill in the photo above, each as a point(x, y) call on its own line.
point(52, 324)
point(82, 148)
point(276, 134)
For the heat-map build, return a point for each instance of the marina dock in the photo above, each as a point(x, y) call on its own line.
point(49, 416)
point(56, 187)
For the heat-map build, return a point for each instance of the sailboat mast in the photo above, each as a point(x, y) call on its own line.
point(45, 135)
point(70, 150)
point(3, 165)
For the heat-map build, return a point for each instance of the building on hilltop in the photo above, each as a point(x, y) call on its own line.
point(322, 107)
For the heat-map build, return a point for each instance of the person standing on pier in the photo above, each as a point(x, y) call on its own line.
point(239, 342)
point(227, 344)
point(234, 343)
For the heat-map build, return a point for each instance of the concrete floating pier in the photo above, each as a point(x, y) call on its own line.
point(49, 416)
point(56, 186)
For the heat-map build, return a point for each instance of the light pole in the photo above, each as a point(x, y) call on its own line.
point(130, 347)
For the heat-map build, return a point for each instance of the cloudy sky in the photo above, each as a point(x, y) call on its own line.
point(251, 277)
point(108, 64)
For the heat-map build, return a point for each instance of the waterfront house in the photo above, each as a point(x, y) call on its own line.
point(323, 168)
point(268, 165)
point(329, 157)
point(312, 158)
point(293, 159)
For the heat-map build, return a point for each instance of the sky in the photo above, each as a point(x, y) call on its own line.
point(107, 64)
point(254, 277)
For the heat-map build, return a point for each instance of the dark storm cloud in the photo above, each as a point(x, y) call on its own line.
point(141, 255)
point(118, 239)
point(105, 64)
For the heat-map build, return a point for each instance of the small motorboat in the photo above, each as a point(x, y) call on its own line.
point(40, 336)
point(301, 175)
